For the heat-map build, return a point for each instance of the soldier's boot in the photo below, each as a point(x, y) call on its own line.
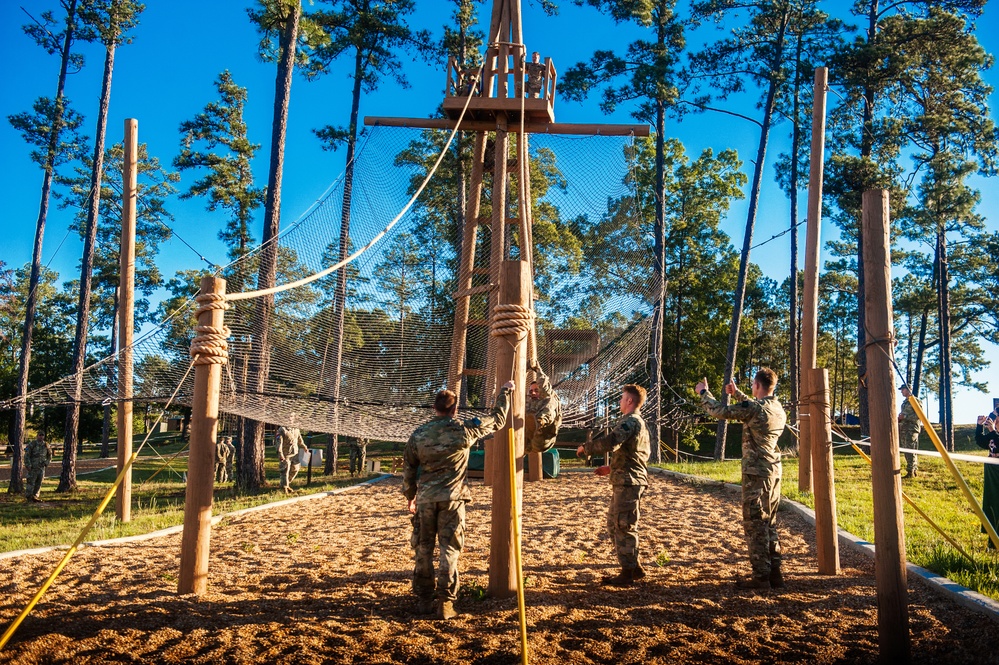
point(625, 578)
point(776, 576)
point(426, 606)
point(753, 583)
point(445, 610)
point(639, 573)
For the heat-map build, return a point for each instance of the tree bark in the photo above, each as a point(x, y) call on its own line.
point(943, 317)
point(340, 302)
point(747, 243)
point(251, 470)
point(112, 374)
point(16, 485)
point(86, 281)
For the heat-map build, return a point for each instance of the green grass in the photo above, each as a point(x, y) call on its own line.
point(59, 518)
point(934, 490)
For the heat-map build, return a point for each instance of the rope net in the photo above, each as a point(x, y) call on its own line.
point(592, 318)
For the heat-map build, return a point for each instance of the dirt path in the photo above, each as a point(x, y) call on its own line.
point(328, 581)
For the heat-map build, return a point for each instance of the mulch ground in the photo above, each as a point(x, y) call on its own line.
point(328, 581)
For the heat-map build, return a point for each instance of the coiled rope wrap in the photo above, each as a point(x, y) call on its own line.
point(211, 345)
point(512, 320)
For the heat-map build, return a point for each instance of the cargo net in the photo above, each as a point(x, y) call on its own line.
point(593, 276)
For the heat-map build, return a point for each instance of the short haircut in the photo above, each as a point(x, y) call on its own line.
point(767, 378)
point(637, 392)
point(445, 401)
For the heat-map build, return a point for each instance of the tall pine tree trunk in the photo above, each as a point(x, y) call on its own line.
point(112, 375)
point(340, 302)
point(67, 480)
point(747, 243)
point(794, 343)
point(943, 316)
point(659, 288)
point(251, 470)
point(20, 412)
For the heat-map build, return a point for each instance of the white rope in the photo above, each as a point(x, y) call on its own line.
point(246, 295)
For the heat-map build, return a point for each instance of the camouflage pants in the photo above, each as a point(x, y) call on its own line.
point(221, 473)
point(442, 522)
point(760, 500)
point(622, 523)
point(909, 440)
point(33, 481)
point(288, 472)
point(357, 456)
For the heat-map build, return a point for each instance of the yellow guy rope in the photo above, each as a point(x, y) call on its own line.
point(913, 504)
point(93, 520)
point(989, 529)
point(516, 549)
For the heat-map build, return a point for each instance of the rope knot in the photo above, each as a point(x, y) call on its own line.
point(211, 344)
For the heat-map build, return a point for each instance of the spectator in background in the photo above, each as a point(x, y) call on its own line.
point(987, 438)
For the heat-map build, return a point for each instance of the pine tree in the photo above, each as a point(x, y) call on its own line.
point(52, 128)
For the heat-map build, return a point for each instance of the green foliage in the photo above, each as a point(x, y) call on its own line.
point(223, 155)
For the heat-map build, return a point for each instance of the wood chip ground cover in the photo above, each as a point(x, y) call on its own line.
point(328, 581)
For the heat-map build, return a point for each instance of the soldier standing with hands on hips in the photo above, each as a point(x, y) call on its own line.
point(629, 476)
point(763, 420)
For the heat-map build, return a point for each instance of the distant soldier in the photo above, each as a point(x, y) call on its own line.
point(289, 443)
point(544, 407)
point(628, 439)
point(535, 70)
point(224, 452)
point(435, 466)
point(358, 453)
point(37, 456)
point(909, 426)
point(763, 420)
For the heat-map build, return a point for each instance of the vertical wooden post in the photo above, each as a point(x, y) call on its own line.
point(511, 362)
point(497, 242)
point(201, 460)
point(889, 530)
point(826, 537)
point(459, 339)
point(810, 295)
point(126, 315)
point(535, 471)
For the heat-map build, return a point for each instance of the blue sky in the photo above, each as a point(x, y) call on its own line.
point(180, 47)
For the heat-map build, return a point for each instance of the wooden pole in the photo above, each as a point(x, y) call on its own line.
point(201, 459)
point(810, 295)
point(511, 363)
point(826, 537)
point(889, 530)
point(126, 315)
point(497, 243)
point(459, 339)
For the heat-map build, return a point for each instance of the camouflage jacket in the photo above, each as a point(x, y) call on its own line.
point(37, 454)
point(762, 421)
point(909, 424)
point(547, 410)
point(288, 441)
point(628, 440)
point(435, 461)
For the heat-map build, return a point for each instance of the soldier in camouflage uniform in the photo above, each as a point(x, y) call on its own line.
point(289, 442)
point(544, 406)
point(763, 420)
point(629, 441)
point(909, 426)
point(224, 452)
point(358, 451)
point(37, 455)
point(435, 464)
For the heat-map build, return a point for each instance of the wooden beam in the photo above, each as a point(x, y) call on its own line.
point(889, 529)
point(513, 127)
point(126, 315)
point(820, 421)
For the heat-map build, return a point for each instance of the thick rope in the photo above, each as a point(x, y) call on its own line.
point(512, 321)
point(211, 345)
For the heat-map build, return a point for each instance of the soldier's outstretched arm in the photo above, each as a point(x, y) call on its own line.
point(476, 428)
point(741, 411)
